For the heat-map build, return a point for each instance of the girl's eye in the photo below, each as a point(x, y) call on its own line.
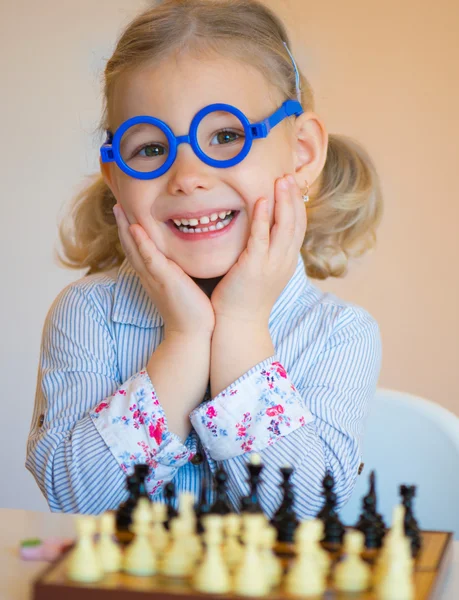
point(151, 150)
point(227, 136)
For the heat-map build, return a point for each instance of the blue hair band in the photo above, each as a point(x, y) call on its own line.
point(297, 74)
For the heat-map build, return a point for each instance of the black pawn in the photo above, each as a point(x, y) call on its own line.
point(371, 523)
point(125, 509)
point(141, 472)
point(221, 506)
point(202, 508)
point(250, 503)
point(285, 520)
point(169, 493)
point(412, 529)
point(334, 529)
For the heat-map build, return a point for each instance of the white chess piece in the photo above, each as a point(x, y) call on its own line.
point(140, 558)
point(353, 574)
point(159, 536)
point(213, 575)
point(314, 529)
point(396, 581)
point(178, 561)
point(396, 532)
point(233, 550)
point(109, 551)
point(307, 575)
point(273, 566)
point(84, 563)
point(188, 516)
point(248, 580)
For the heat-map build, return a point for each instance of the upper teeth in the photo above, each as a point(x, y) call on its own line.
point(203, 220)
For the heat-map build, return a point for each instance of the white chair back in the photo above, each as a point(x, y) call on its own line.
point(410, 440)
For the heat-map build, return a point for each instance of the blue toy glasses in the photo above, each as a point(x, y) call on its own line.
point(220, 135)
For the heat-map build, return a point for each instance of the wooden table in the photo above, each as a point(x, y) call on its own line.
point(17, 575)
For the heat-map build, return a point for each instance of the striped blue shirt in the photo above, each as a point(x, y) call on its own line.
point(102, 330)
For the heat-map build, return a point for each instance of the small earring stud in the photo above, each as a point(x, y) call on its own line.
point(306, 193)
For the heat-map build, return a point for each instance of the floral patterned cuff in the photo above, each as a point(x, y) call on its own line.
point(252, 413)
point(133, 425)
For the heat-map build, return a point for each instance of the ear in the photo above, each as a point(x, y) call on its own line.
point(107, 174)
point(310, 148)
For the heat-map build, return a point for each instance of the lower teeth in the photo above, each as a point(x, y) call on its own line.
point(220, 225)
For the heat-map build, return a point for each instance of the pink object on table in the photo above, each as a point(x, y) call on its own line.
point(49, 549)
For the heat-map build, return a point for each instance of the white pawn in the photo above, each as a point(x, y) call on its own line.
point(188, 516)
point(159, 536)
point(307, 576)
point(353, 574)
point(313, 530)
point(248, 580)
point(109, 551)
point(84, 562)
point(273, 566)
point(213, 575)
point(178, 561)
point(233, 550)
point(140, 558)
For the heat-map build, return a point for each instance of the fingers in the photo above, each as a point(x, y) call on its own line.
point(287, 234)
point(127, 242)
point(258, 243)
point(141, 252)
point(300, 214)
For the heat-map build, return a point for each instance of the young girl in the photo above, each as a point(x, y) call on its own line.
point(197, 337)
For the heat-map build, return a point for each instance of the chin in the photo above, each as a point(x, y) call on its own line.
point(205, 271)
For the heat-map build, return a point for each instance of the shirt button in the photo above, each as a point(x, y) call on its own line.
point(41, 420)
point(197, 459)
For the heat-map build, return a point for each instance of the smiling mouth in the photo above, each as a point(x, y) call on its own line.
point(205, 232)
point(216, 225)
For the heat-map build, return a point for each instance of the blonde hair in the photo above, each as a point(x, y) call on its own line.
point(345, 203)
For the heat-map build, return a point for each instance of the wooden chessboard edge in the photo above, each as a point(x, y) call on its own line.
point(444, 565)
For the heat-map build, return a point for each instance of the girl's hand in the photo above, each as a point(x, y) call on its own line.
point(182, 304)
point(249, 290)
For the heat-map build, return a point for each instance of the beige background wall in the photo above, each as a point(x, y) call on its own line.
point(383, 72)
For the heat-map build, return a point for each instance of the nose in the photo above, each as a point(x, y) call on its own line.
point(188, 172)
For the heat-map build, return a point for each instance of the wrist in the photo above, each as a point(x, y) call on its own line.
point(185, 339)
point(260, 323)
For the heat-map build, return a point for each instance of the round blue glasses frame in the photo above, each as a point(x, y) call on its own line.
point(110, 150)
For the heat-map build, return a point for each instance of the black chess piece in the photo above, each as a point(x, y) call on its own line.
point(172, 512)
point(371, 523)
point(251, 503)
point(285, 520)
point(125, 509)
point(141, 471)
point(202, 508)
point(334, 529)
point(412, 529)
point(221, 506)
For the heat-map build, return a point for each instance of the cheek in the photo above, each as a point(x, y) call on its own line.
point(137, 199)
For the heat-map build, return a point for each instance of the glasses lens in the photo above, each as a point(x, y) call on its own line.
point(221, 135)
point(144, 147)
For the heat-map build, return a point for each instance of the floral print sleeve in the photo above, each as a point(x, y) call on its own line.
point(251, 414)
point(134, 427)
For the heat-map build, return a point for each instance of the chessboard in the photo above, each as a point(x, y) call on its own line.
point(430, 567)
point(187, 548)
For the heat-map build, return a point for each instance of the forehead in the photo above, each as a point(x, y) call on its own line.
point(176, 89)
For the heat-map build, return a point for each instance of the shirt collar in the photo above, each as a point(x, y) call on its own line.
point(132, 305)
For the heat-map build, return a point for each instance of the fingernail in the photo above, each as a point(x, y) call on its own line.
point(115, 210)
point(283, 184)
point(291, 179)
